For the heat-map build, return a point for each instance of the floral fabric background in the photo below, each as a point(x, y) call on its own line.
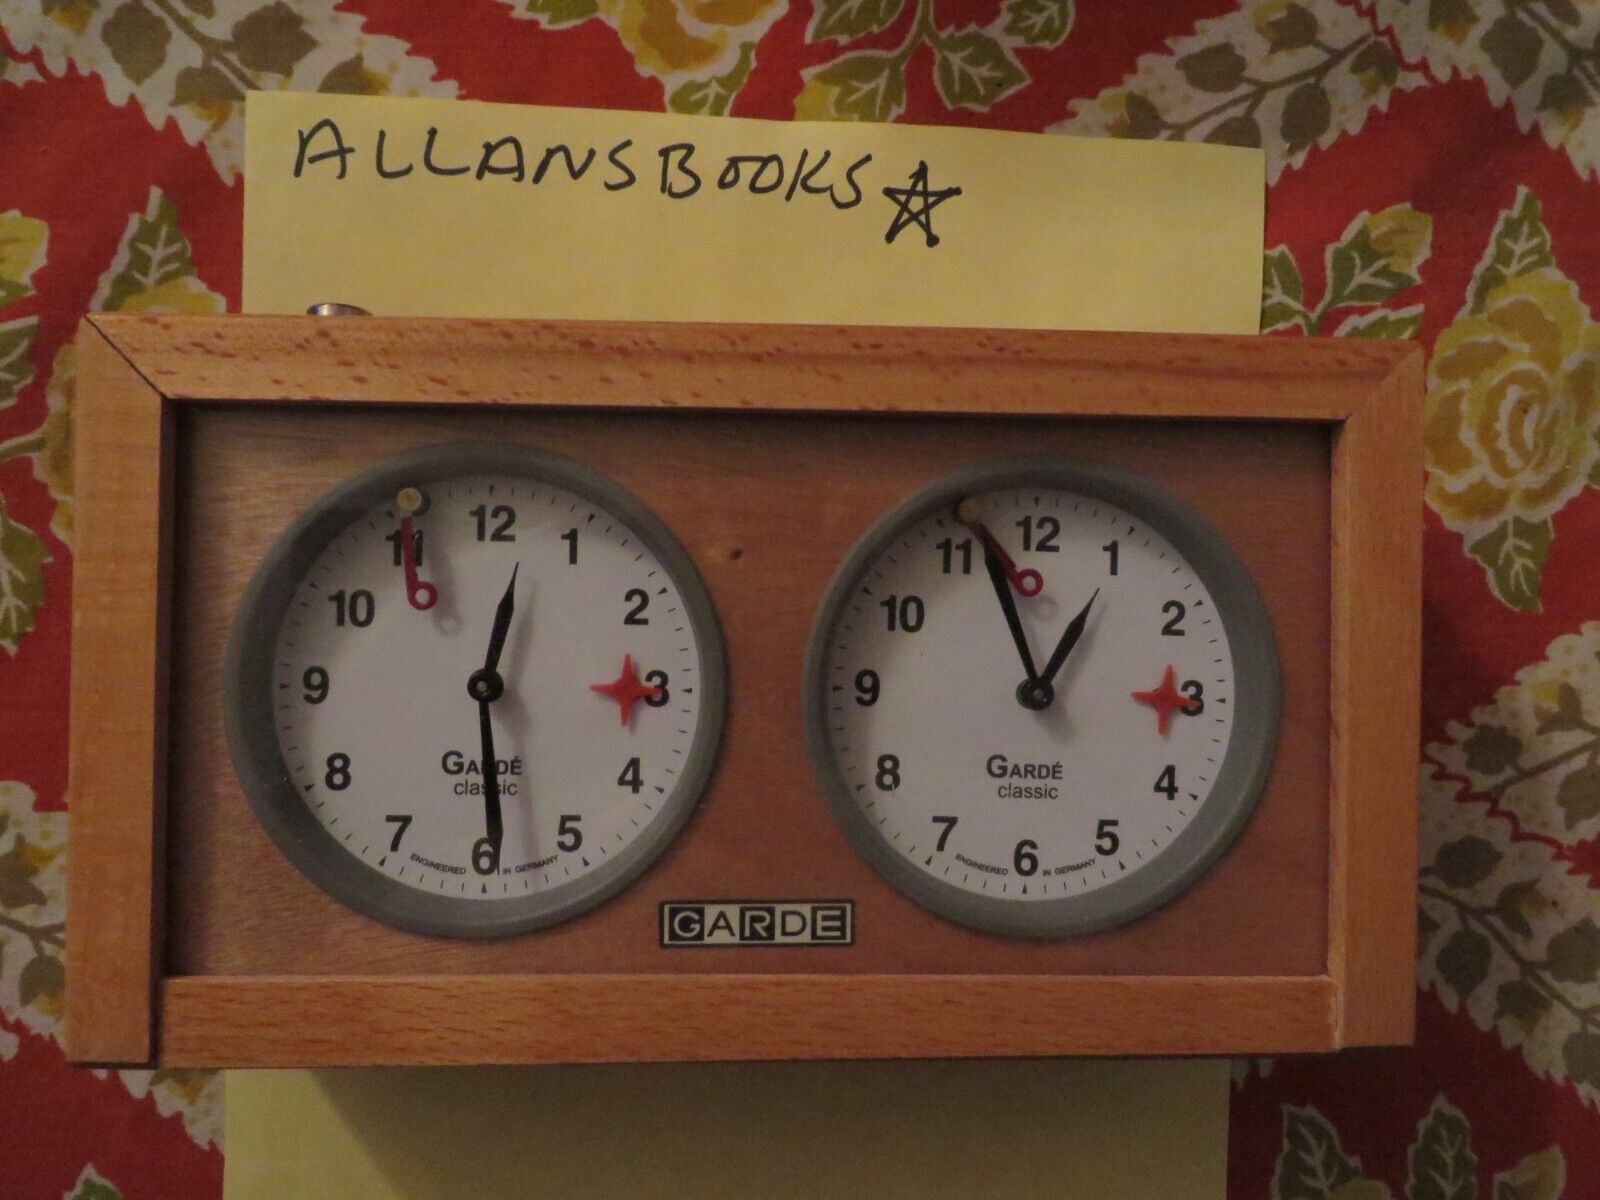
point(1432, 168)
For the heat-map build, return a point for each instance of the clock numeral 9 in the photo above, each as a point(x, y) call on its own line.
point(568, 836)
point(356, 608)
point(1106, 840)
point(640, 599)
point(338, 775)
point(657, 680)
point(502, 513)
point(867, 688)
point(315, 681)
point(485, 856)
point(888, 777)
point(1024, 859)
point(905, 612)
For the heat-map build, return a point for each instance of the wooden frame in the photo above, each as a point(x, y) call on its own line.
point(137, 372)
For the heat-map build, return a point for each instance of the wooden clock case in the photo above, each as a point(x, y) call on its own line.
point(768, 450)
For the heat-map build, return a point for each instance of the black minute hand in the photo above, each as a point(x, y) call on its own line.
point(1008, 605)
point(1069, 639)
point(485, 686)
point(494, 828)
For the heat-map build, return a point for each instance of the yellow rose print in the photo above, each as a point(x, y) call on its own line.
point(1513, 405)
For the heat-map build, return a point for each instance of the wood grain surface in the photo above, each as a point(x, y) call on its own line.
point(442, 1021)
point(1377, 662)
point(117, 767)
point(768, 506)
point(772, 368)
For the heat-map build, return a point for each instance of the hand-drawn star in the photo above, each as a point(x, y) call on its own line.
point(909, 212)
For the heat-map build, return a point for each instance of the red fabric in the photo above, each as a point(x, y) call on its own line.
point(1428, 138)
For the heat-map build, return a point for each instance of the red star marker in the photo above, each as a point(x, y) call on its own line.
point(626, 689)
point(1166, 700)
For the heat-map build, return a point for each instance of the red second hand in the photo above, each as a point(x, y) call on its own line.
point(1027, 582)
point(421, 594)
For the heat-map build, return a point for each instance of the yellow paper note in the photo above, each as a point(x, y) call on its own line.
point(1043, 233)
point(437, 207)
point(746, 1131)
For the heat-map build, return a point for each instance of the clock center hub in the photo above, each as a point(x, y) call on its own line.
point(1035, 694)
point(485, 686)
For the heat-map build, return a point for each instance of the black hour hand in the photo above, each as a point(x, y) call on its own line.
point(1069, 639)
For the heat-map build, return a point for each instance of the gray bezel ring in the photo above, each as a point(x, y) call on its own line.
point(252, 732)
point(1240, 778)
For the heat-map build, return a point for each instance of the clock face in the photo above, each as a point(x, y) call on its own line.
point(475, 690)
point(1042, 697)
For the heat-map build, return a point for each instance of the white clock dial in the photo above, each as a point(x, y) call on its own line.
point(1042, 697)
point(495, 687)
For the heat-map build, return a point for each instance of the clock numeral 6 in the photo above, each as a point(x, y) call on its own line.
point(1024, 859)
point(1106, 840)
point(485, 856)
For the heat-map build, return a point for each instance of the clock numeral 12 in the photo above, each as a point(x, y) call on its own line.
point(503, 513)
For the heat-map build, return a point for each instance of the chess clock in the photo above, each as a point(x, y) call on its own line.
point(459, 691)
point(1046, 749)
